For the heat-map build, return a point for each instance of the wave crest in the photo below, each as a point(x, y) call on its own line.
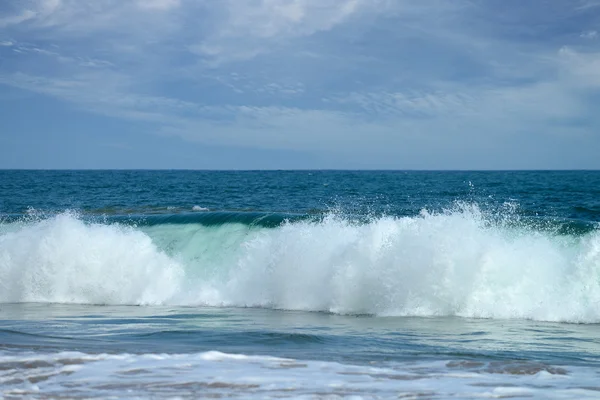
point(64, 260)
point(452, 263)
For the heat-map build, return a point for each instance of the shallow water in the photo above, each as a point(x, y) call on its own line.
point(53, 350)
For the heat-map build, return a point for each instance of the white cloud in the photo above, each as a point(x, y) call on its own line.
point(497, 111)
point(254, 27)
point(589, 34)
point(34, 11)
point(56, 55)
point(61, 19)
point(411, 103)
point(160, 5)
point(276, 18)
point(587, 4)
point(103, 92)
point(582, 69)
point(25, 15)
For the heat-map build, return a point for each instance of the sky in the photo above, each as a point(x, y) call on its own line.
point(300, 84)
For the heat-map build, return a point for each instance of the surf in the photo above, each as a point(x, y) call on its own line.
point(458, 262)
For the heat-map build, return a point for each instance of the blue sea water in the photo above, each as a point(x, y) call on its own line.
point(299, 284)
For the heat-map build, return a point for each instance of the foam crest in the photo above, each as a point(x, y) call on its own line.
point(452, 263)
point(64, 260)
point(432, 265)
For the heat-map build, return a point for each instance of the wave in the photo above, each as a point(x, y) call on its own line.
point(459, 262)
point(218, 218)
point(212, 218)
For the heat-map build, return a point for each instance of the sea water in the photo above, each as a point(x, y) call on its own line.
point(299, 284)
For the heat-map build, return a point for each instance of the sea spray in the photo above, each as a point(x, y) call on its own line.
point(64, 260)
point(460, 262)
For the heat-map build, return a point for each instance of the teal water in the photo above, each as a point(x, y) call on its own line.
point(161, 284)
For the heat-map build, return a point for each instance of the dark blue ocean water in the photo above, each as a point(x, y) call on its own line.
point(561, 194)
point(375, 284)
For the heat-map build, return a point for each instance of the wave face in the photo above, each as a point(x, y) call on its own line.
point(455, 263)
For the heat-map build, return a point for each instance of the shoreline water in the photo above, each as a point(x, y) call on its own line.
point(63, 350)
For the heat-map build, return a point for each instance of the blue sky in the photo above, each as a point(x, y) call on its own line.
point(279, 84)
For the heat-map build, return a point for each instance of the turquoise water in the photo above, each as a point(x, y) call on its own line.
point(138, 284)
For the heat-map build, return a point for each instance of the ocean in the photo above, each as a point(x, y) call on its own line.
point(299, 284)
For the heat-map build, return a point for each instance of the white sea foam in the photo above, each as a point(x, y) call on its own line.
point(215, 374)
point(455, 263)
point(63, 260)
point(198, 208)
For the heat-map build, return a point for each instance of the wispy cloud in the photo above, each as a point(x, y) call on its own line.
point(589, 34)
point(159, 4)
point(583, 68)
point(23, 16)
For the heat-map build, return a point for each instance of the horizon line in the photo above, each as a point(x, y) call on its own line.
point(298, 170)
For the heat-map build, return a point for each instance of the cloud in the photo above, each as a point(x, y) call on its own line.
point(61, 19)
point(103, 93)
point(582, 69)
point(345, 77)
point(288, 18)
point(589, 34)
point(588, 4)
point(25, 15)
point(160, 5)
point(33, 12)
point(409, 104)
point(254, 27)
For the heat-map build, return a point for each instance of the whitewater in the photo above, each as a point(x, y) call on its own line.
point(452, 263)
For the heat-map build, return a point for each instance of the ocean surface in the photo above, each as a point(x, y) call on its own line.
point(299, 284)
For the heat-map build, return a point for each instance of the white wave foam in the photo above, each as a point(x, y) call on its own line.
point(80, 375)
point(431, 265)
point(64, 260)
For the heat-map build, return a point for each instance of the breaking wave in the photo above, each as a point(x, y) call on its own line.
point(454, 263)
